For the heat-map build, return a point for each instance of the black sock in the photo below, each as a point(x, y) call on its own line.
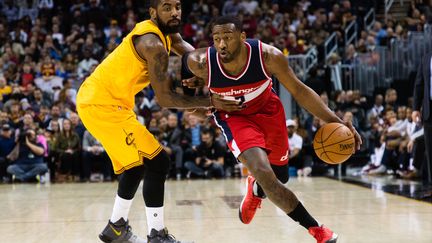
point(301, 215)
point(260, 191)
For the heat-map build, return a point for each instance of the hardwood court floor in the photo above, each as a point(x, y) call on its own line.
point(206, 211)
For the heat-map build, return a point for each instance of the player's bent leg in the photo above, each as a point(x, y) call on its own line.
point(254, 192)
point(118, 228)
point(156, 171)
point(256, 160)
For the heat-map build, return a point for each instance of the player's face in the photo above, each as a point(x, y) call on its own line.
point(167, 15)
point(227, 41)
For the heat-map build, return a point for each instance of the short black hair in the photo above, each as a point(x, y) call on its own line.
point(228, 19)
point(208, 131)
point(154, 3)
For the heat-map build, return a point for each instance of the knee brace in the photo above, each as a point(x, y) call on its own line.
point(154, 179)
point(159, 164)
point(129, 182)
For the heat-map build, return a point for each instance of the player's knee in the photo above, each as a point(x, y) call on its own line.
point(159, 164)
point(263, 174)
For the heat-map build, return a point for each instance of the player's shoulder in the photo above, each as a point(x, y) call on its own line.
point(272, 56)
point(150, 42)
point(269, 49)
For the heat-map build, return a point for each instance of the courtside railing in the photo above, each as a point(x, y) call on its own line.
point(330, 45)
point(369, 19)
point(387, 6)
point(301, 64)
point(351, 33)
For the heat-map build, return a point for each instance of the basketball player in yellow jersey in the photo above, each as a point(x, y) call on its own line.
point(105, 102)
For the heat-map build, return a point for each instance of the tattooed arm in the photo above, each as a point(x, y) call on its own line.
point(151, 49)
point(180, 46)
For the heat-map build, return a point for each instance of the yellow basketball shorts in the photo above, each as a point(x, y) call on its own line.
point(125, 140)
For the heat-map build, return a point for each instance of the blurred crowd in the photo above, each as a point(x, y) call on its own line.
point(48, 47)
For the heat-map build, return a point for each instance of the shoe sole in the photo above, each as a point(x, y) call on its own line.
point(104, 238)
point(241, 204)
point(333, 239)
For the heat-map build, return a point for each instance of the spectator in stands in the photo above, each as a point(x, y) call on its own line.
point(49, 82)
point(295, 146)
point(232, 7)
point(191, 137)
point(7, 143)
point(28, 162)
point(173, 136)
point(378, 108)
point(391, 137)
point(5, 89)
point(391, 99)
point(379, 33)
point(77, 125)
point(42, 116)
point(68, 147)
point(55, 114)
point(209, 161)
point(294, 47)
point(94, 155)
point(86, 63)
point(356, 105)
point(39, 99)
point(51, 136)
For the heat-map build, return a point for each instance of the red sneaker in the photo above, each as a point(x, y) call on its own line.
point(323, 234)
point(250, 203)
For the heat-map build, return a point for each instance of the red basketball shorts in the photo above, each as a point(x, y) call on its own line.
point(265, 129)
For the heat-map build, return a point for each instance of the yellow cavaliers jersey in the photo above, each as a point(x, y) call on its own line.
point(122, 74)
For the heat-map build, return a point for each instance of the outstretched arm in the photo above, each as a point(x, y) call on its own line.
point(151, 49)
point(180, 46)
point(277, 64)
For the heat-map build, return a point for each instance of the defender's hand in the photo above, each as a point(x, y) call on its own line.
point(193, 83)
point(357, 137)
point(226, 105)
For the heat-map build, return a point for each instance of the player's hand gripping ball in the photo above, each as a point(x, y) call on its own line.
point(334, 143)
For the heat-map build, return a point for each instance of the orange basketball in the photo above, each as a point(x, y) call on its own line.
point(334, 143)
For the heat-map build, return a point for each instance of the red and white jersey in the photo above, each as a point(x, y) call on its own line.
point(253, 86)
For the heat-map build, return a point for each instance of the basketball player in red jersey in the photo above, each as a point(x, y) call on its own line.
point(237, 68)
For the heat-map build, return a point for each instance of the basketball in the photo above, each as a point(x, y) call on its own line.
point(334, 143)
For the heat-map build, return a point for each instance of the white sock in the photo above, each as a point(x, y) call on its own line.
point(255, 189)
point(121, 209)
point(155, 218)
